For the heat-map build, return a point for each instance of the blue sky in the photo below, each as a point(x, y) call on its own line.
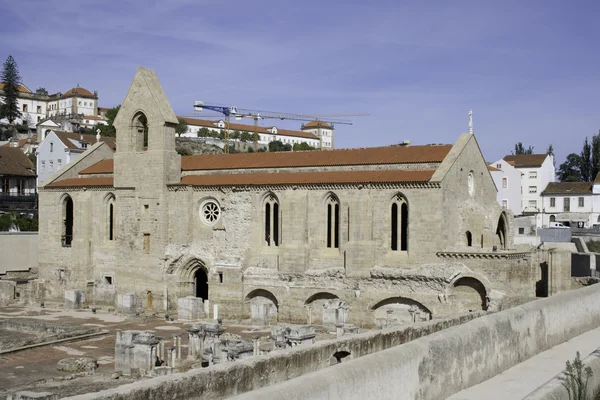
point(529, 69)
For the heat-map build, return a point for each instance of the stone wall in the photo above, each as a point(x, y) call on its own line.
point(446, 362)
point(19, 251)
point(228, 379)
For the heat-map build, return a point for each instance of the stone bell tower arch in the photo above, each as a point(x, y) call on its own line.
point(146, 157)
point(145, 162)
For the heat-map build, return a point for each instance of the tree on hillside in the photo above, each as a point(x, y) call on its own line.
point(585, 166)
point(109, 130)
point(595, 167)
point(570, 171)
point(303, 146)
point(519, 149)
point(277, 145)
point(11, 79)
point(182, 126)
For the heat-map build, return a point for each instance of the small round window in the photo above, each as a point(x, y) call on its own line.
point(210, 212)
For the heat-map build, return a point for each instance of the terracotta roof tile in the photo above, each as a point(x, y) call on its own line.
point(81, 182)
point(490, 168)
point(597, 179)
point(248, 128)
point(14, 162)
point(316, 124)
point(20, 88)
point(568, 188)
point(367, 156)
point(22, 142)
point(299, 178)
point(87, 138)
point(78, 92)
point(526, 160)
point(101, 167)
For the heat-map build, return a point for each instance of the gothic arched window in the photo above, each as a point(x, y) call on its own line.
point(333, 222)
point(271, 221)
point(399, 224)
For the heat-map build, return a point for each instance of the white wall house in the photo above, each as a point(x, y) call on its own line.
point(536, 170)
point(35, 107)
point(508, 182)
point(323, 131)
point(266, 134)
point(58, 149)
point(576, 204)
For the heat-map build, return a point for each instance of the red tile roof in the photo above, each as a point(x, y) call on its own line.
point(20, 88)
point(490, 168)
point(78, 92)
point(101, 167)
point(526, 160)
point(22, 142)
point(81, 182)
point(299, 178)
point(14, 162)
point(248, 128)
point(568, 188)
point(83, 137)
point(367, 156)
point(316, 124)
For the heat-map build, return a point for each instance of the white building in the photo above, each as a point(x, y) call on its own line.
point(508, 182)
point(58, 149)
point(36, 107)
point(575, 204)
point(323, 131)
point(537, 170)
point(266, 134)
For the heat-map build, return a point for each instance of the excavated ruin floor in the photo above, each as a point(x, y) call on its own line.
point(36, 369)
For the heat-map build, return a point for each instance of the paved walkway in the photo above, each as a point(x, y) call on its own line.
point(524, 378)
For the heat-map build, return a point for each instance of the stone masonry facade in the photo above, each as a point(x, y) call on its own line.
point(402, 232)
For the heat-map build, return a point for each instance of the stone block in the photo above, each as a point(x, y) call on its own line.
point(190, 308)
point(127, 303)
point(26, 395)
point(7, 293)
point(74, 299)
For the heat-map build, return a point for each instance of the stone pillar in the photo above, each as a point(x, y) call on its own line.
point(215, 311)
point(126, 303)
point(190, 308)
point(339, 330)
point(256, 345)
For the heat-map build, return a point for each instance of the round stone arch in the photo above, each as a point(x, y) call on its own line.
point(469, 293)
point(261, 306)
point(394, 310)
point(324, 308)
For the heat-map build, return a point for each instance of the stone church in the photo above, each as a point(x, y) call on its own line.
point(362, 236)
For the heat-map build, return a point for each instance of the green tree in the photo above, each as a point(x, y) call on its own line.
point(586, 161)
point(183, 151)
point(277, 145)
point(11, 79)
point(41, 91)
point(569, 171)
point(519, 149)
point(204, 132)
point(182, 126)
point(303, 147)
point(595, 156)
point(109, 130)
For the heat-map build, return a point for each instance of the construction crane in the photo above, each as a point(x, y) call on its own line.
point(240, 113)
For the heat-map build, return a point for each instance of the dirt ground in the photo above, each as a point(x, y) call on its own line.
point(36, 369)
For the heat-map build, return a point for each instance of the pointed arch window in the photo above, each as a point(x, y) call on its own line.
point(67, 214)
point(333, 222)
point(271, 221)
point(110, 217)
point(399, 224)
point(140, 131)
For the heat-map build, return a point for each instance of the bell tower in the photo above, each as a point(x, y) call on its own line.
point(146, 158)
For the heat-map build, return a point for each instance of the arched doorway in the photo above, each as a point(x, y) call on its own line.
point(67, 236)
point(201, 284)
point(399, 310)
point(502, 230)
